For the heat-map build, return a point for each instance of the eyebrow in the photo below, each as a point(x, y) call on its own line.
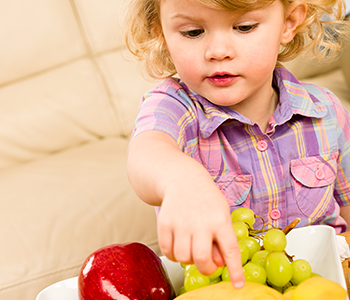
point(184, 16)
point(180, 15)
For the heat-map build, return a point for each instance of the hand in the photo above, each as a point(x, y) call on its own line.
point(194, 224)
point(195, 227)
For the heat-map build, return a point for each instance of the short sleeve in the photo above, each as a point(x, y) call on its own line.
point(168, 109)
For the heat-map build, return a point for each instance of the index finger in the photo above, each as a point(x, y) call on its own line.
point(229, 248)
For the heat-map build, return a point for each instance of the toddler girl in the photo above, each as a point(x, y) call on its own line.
point(234, 128)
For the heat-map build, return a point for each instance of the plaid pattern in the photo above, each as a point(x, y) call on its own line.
point(299, 167)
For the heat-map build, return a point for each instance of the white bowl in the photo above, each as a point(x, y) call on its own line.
point(316, 244)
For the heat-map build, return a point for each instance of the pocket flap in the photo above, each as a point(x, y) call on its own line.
point(315, 171)
point(236, 188)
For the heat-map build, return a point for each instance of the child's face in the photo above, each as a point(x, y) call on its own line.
point(227, 57)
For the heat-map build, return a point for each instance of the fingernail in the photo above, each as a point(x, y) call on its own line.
point(238, 284)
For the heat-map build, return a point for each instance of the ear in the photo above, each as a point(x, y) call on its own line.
point(295, 16)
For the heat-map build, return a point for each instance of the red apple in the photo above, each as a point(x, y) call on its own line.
point(125, 272)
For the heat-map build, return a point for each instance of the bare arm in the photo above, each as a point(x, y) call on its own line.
point(194, 225)
point(345, 214)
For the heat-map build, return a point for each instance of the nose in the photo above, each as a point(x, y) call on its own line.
point(219, 47)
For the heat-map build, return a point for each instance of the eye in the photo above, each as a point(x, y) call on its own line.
point(245, 28)
point(192, 33)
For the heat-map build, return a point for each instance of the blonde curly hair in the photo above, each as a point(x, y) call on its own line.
point(145, 40)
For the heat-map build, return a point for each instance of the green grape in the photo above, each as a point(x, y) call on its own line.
point(216, 280)
point(315, 275)
point(274, 240)
point(254, 273)
point(225, 276)
point(278, 268)
point(260, 257)
point(252, 244)
point(301, 271)
point(244, 253)
point(195, 280)
point(189, 268)
point(289, 289)
point(183, 265)
point(241, 230)
point(216, 274)
point(243, 214)
point(181, 291)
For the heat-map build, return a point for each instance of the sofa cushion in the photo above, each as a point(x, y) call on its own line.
point(100, 20)
point(53, 111)
point(34, 37)
point(67, 106)
point(59, 209)
point(65, 78)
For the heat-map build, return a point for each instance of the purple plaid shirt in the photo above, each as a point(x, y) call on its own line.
point(298, 168)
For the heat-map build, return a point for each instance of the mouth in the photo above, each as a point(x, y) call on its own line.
point(222, 78)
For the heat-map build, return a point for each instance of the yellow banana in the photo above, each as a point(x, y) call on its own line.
point(225, 291)
point(318, 288)
point(315, 288)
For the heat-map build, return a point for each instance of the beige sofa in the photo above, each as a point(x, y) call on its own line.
point(68, 95)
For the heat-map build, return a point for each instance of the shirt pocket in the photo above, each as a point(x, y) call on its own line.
point(236, 188)
point(313, 179)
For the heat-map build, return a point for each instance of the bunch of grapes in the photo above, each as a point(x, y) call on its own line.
point(263, 254)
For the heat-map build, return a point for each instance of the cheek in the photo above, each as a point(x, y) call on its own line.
point(264, 55)
point(266, 44)
point(186, 62)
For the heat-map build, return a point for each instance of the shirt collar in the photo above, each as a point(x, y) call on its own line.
point(294, 99)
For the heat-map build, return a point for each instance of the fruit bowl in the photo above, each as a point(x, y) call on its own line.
point(316, 244)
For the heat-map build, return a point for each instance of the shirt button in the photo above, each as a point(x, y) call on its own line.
point(319, 174)
point(275, 214)
point(262, 146)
